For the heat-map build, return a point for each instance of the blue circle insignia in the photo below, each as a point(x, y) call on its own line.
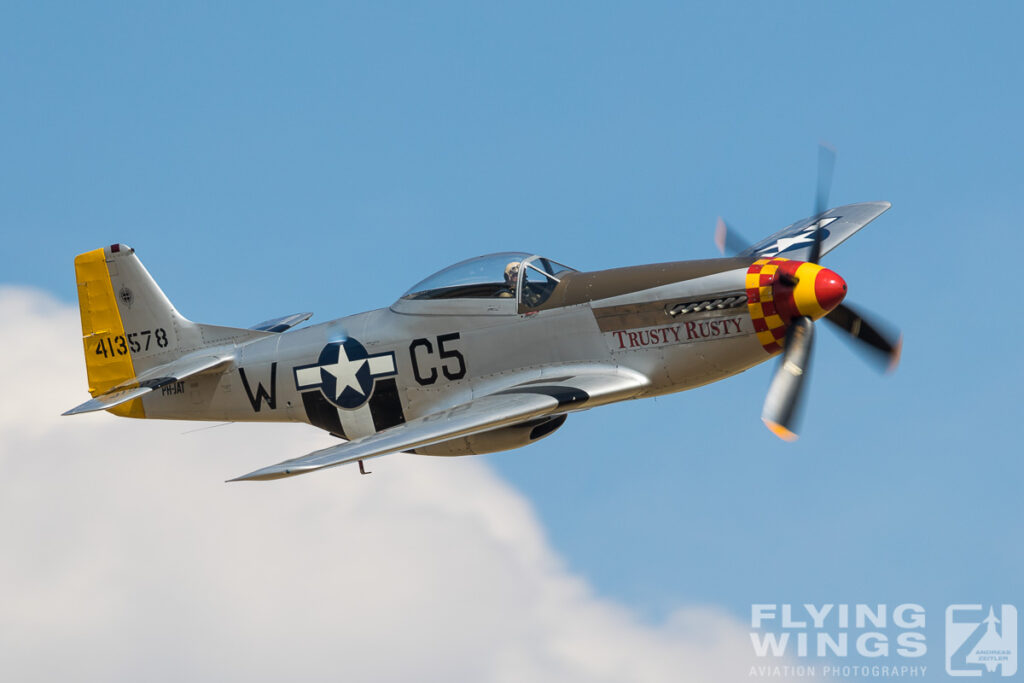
point(345, 373)
point(345, 378)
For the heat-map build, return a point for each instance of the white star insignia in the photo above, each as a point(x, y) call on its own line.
point(784, 243)
point(804, 237)
point(344, 372)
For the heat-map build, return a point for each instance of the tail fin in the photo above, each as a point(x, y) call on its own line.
point(129, 325)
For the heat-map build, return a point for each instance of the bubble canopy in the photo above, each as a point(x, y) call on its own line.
point(493, 275)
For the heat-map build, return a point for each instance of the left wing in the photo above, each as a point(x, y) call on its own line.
point(836, 225)
point(501, 408)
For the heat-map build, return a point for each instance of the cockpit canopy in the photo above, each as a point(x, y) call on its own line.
point(530, 279)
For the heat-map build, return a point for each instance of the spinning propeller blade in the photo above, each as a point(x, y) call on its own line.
point(880, 345)
point(826, 164)
point(728, 240)
point(782, 403)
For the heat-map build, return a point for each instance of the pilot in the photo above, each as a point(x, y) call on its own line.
point(511, 278)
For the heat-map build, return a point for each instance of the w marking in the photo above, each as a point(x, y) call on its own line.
point(261, 394)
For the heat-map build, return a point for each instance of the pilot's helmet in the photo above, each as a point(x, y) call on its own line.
point(512, 272)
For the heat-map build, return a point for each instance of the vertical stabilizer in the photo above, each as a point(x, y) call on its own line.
point(129, 325)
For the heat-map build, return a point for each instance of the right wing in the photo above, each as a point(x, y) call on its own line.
point(501, 408)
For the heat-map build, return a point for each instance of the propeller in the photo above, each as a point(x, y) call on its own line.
point(826, 164)
point(822, 290)
point(728, 240)
point(782, 404)
point(881, 347)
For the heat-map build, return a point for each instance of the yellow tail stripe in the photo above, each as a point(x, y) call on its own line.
point(103, 336)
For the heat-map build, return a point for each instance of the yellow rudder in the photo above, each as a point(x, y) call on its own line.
point(108, 359)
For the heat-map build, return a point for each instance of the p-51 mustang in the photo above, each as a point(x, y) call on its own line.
point(489, 354)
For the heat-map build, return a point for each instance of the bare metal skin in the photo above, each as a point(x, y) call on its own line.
point(488, 355)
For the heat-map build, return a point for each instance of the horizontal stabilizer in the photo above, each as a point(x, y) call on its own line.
point(109, 400)
point(285, 322)
point(154, 378)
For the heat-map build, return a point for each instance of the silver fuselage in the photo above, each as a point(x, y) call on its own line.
point(448, 352)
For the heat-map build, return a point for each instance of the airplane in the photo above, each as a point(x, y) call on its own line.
point(489, 354)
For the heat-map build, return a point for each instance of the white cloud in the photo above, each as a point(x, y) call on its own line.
point(126, 557)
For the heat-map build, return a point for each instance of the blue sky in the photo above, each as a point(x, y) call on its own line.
point(325, 157)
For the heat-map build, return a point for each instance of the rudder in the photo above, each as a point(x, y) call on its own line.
point(107, 358)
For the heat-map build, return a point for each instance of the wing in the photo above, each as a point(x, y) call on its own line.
point(501, 408)
point(154, 378)
point(794, 241)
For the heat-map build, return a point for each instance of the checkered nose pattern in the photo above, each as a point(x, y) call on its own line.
point(779, 290)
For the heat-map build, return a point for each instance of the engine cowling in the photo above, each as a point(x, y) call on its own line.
point(780, 290)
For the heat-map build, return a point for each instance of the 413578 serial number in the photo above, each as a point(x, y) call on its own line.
point(119, 345)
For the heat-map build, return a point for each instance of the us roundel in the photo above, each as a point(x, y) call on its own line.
point(802, 239)
point(345, 373)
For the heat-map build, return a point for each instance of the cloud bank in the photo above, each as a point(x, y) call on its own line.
point(125, 557)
